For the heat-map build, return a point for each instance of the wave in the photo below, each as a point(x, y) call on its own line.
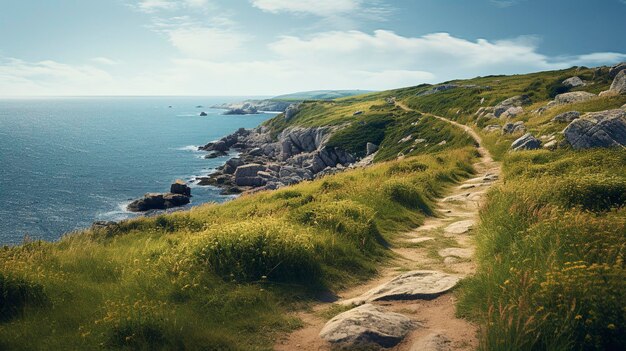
point(193, 148)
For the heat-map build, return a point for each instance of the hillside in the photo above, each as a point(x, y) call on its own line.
point(320, 95)
point(548, 272)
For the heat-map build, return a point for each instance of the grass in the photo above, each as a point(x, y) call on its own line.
point(217, 277)
point(551, 259)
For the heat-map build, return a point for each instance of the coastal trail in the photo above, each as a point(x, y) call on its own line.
point(415, 286)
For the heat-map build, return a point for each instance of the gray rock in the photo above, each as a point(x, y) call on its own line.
point(174, 200)
point(512, 112)
point(366, 326)
point(231, 165)
point(526, 142)
point(551, 145)
point(597, 129)
point(433, 342)
point(619, 83)
point(573, 82)
point(157, 201)
point(180, 187)
point(250, 181)
point(412, 285)
point(438, 89)
point(460, 227)
point(514, 128)
point(370, 148)
point(291, 111)
point(492, 128)
point(356, 113)
point(515, 101)
point(566, 117)
point(573, 97)
point(249, 170)
point(613, 71)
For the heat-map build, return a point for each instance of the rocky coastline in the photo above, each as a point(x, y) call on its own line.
point(265, 162)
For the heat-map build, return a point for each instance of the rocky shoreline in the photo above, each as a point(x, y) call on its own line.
point(266, 163)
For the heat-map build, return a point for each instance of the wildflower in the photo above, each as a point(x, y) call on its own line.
point(578, 317)
point(611, 326)
point(541, 308)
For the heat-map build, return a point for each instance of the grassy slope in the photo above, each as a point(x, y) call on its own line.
point(220, 276)
point(224, 275)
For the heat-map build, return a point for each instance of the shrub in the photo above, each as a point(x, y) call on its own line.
point(259, 250)
point(16, 295)
point(556, 87)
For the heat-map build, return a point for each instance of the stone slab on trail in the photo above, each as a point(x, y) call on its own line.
point(412, 285)
point(433, 342)
point(456, 252)
point(367, 326)
point(460, 227)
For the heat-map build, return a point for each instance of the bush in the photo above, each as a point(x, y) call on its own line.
point(263, 249)
point(556, 87)
point(16, 295)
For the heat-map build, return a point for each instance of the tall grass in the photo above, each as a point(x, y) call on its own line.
point(551, 252)
point(217, 277)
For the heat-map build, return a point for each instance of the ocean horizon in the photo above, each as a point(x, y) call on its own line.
point(69, 161)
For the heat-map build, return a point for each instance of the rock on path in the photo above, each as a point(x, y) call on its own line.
point(409, 286)
point(366, 326)
point(460, 227)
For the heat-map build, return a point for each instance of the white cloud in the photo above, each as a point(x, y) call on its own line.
point(105, 61)
point(48, 77)
point(315, 7)
point(151, 6)
point(206, 43)
point(332, 60)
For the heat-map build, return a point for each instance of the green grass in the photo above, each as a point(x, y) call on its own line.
point(217, 277)
point(551, 258)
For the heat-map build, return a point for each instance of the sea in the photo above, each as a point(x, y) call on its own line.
point(67, 162)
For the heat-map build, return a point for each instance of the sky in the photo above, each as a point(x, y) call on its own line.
point(271, 47)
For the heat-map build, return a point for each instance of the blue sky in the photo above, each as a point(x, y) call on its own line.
point(267, 47)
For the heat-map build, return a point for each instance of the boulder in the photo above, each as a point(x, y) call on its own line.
point(215, 154)
point(515, 101)
point(174, 200)
point(203, 114)
point(438, 89)
point(613, 71)
point(512, 112)
point(573, 97)
point(526, 142)
point(246, 175)
point(356, 113)
point(366, 327)
point(433, 342)
point(551, 145)
point(231, 165)
point(619, 84)
point(180, 187)
point(597, 129)
point(414, 285)
point(514, 128)
point(566, 117)
point(370, 148)
point(573, 82)
point(150, 201)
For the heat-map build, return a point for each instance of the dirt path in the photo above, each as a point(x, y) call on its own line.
point(441, 244)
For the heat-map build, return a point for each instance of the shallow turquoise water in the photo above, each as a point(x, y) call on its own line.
point(66, 162)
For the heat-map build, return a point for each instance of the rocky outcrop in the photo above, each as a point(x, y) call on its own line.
point(514, 128)
point(597, 129)
point(618, 86)
point(573, 97)
point(291, 111)
point(515, 101)
point(366, 327)
point(179, 195)
point(573, 82)
point(267, 162)
point(370, 148)
point(181, 188)
point(526, 142)
point(566, 117)
point(203, 114)
point(613, 71)
point(492, 128)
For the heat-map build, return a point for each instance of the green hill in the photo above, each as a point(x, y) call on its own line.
point(321, 95)
point(551, 245)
